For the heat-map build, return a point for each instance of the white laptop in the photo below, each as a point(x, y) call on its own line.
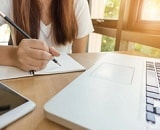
point(119, 92)
point(13, 105)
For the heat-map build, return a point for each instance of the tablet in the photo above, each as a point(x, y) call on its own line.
point(12, 105)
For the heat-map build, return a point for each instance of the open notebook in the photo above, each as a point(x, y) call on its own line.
point(68, 64)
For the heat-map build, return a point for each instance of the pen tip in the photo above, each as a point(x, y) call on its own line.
point(59, 64)
point(55, 61)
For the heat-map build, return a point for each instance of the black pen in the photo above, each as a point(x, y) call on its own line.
point(22, 32)
point(55, 61)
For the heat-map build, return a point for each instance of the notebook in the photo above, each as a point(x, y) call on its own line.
point(119, 92)
point(13, 105)
point(68, 64)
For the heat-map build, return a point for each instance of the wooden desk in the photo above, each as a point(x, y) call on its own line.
point(41, 88)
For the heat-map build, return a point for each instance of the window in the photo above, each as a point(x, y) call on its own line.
point(130, 24)
point(103, 10)
point(144, 20)
point(111, 10)
point(146, 17)
point(150, 10)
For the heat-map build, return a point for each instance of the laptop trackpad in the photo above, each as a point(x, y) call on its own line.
point(115, 73)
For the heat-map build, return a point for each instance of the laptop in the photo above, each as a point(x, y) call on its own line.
point(119, 92)
point(13, 105)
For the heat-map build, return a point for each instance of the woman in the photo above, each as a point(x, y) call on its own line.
point(54, 25)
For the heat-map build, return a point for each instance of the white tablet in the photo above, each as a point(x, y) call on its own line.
point(12, 105)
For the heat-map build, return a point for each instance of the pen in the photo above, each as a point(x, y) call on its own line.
point(55, 61)
point(22, 32)
point(14, 25)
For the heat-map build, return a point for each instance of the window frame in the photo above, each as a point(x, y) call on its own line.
point(129, 26)
point(135, 23)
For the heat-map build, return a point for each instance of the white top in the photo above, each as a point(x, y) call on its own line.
point(82, 13)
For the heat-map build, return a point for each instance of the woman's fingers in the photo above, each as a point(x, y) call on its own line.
point(53, 51)
point(33, 54)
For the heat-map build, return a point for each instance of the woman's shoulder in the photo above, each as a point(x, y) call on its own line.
point(80, 2)
point(80, 5)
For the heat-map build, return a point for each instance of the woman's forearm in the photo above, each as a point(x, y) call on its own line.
point(8, 55)
point(80, 45)
point(30, 54)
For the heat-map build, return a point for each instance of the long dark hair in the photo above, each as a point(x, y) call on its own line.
point(27, 15)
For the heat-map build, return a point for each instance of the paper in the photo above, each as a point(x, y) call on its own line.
point(68, 64)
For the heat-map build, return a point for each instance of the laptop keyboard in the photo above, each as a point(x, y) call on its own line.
point(152, 90)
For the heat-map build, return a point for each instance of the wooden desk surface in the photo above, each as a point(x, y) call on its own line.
point(41, 88)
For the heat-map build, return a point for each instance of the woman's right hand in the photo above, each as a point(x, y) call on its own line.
point(33, 54)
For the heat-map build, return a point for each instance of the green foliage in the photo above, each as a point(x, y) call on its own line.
point(108, 43)
point(150, 51)
point(112, 9)
point(111, 12)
